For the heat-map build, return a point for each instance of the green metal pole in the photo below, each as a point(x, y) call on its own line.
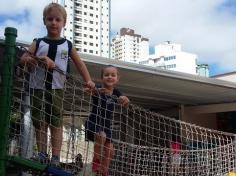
point(6, 93)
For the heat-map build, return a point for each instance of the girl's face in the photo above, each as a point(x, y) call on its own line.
point(54, 23)
point(109, 77)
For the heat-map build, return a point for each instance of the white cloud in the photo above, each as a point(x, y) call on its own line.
point(29, 27)
point(201, 26)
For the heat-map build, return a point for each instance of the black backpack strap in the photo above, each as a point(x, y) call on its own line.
point(37, 44)
point(69, 51)
point(69, 46)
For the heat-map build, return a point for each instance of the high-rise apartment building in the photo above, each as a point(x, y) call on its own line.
point(129, 46)
point(88, 25)
point(170, 56)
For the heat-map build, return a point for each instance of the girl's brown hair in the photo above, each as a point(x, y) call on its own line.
point(107, 66)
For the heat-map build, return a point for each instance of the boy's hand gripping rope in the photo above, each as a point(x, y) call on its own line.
point(43, 61)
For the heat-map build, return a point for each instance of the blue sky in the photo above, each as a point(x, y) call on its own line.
point(203, 27)
point(229, 5)
point(20, 18)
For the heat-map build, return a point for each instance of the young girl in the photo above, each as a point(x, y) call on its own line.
point(47, 84)
point(175, 156)
point(98, 125)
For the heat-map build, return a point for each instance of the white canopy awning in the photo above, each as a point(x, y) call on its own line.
point(155, 88)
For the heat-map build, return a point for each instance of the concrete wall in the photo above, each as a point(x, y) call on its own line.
point(204, 120)
point(205, 115)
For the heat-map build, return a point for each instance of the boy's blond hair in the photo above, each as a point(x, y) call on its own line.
point(53, 5)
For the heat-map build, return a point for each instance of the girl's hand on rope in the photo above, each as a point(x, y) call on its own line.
point(50, 64)
point(123, 100)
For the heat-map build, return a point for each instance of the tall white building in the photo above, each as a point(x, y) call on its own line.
point(88, 25)
point(129, 46)
point(171, 57)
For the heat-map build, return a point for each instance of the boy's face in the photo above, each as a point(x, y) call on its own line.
point(109, 77)
point(54, 23)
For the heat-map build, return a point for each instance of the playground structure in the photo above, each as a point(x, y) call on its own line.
point(142, 138)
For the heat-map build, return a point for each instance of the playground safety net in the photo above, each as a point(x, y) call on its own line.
point(146, 143)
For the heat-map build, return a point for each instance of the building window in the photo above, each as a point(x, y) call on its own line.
point(78, 12)
point(78, 27)
point(78, 4)
point(78, 34)
point(169, 58)
point(170, 66)
point(78, 19)
point(77, 41)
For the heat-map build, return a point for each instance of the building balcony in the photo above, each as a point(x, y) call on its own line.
point(77, 30)
point(78, 23)
point(78, 15)
point(78, 7)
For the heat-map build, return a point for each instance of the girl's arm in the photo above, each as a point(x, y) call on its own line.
point(81, 67)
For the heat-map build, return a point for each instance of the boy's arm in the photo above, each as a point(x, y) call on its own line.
point(26, 58)
point(81, 67)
